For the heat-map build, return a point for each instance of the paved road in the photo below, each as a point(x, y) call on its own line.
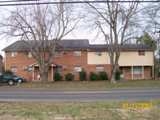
point(50, 95)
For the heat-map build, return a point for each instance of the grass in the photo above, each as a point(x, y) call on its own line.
point(76, 111)
point(91, 85)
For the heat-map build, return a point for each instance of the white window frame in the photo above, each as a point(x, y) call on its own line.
point(99, 68)
point(138, 71)
point(14, 69)
point(98, 53)
point(77, 53)
point(29, 55)
point(77, 69)
point(13, 54)
point(30, 69)
point(58, 54)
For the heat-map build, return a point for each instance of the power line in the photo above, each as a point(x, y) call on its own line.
point(11, 1)
point(73, 2)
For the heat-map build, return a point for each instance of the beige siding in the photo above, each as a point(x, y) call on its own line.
point(133, 59)
point(126, 59)
point(93, 58)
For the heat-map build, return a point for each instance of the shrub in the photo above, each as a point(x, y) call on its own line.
point(117, 75)
point(157, 72)
point(103, 76)
point(93, 76)
point(57, 76)
point(69, 77)
point(8, 72)
point(82, 75)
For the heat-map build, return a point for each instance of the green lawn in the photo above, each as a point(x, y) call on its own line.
point(76, 111)
point(91, 85)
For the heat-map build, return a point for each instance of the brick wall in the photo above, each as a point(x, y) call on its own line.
point(21, 60)
point(1, 64)
point(127, 72)
point(68, 61)
point(148, 72)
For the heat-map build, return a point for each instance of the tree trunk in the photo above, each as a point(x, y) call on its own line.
point(115, 68)
point(43, 73)
point(44, 76)
point(113, 74)
point(115, 65)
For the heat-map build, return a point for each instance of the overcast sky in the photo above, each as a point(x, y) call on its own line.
point(81, 32)
point(78, 33)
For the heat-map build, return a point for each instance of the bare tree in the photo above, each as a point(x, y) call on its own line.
point(41, 27)
point(114, 19)
point(152, 15)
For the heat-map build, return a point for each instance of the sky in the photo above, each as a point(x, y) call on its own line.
point(78, 33)
point(81, 32)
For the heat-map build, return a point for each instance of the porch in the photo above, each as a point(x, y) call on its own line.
point(52, 69)
point(137, 72)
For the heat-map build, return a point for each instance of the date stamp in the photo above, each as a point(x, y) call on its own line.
point(137, 105)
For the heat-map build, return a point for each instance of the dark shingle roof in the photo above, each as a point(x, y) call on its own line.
point(64, 44)
point(77, 44)
point(125, 47)
point(17, 46)
point(74, 44)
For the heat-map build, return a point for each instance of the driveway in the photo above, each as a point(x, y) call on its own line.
point(21, 94)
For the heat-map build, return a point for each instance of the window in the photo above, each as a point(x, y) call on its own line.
point(29, 54)
point(77, 53)
point(77, 69)
point(13, 54)
point(98, 53)
point(14, 69)
point(99, 68)
point(58, 69)
point(58, 54)
point(30, 69)
point(25, 68)
point(137, 70)
point(141, 53)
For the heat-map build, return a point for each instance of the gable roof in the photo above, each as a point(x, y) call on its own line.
point(76, 44)
point(125, 47)
point(64, 44)
point(16, 46)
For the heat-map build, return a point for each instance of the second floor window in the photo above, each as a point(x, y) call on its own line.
point(13, 54)
point(98, 53)
point(141, 53)
point(29, 54)
point(58, 54)
point(77, 53)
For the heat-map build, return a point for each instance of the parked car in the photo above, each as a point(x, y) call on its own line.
point(11, 79)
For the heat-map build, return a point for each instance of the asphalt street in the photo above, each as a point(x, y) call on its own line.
point(20, 94)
